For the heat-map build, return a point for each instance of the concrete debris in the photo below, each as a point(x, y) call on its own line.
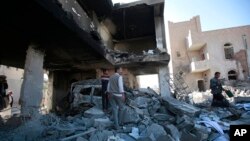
point(173, 131)
point(165, 138)
point(130, 115)
point(102, 123)
point(94, 113)
point(148, 117)
point(81, 139)
point(135, 133)
point(101, 136)
point(240, 99)
point(180, 108)
point(154, 131)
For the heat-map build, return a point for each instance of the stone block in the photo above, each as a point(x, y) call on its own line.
point(180, 108)
point(173, 131)
point(153, 131)
point(240, 99)
point(102, 122)
point(94, 112)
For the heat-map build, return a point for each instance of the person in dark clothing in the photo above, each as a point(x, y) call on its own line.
point(216, 89)
point(105, 81)
point(3, 87)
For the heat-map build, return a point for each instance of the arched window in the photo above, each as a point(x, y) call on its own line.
point(229, 51)
point(232, 75)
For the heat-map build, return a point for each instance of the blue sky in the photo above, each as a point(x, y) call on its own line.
point(214, 14)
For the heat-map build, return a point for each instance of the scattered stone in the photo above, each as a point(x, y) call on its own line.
point(163, 117)
point(154, 106)
point(141, 102)
point(180, 108)
point(165, 138)
point(173, 131)
point(240, 99)
point(102, 122)
point(115, 138)
point(94, 113)
point(81, 139)
point(156, 131)
point(130, 116)
point(187, 136)
point(126, 137)
point(184, 122)
point(101, 136)
point(144, 139)
point(135, 133)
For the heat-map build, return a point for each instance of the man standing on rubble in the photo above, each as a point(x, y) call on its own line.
point(105, 81)
point(216, 89)
point(116, 95)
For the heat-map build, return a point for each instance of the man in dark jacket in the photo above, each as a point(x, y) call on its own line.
point(216, 89)
point(105, 81)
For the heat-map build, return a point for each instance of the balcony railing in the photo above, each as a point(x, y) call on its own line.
point(199, 66)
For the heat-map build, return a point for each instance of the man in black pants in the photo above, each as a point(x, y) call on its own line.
point(216, 89)
point(105, 81)
point(3, 87)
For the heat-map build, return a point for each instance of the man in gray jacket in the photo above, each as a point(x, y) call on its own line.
point(116, 96)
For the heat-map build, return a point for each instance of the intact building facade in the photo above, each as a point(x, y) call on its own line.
point(197, 55)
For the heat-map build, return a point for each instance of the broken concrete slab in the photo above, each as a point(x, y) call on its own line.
point(163, 117)
point(94, 112)
point(187, 136)
point(81, 139)
point(165, 138)
point(126, 137)
point(141, 102)
point(130, 116)
point(153, 106)
point(180, 108)
point(101, 135)
point(184, 122)
point(155, 129)
point(240, 99)
point(173, 131)
point(102, 122)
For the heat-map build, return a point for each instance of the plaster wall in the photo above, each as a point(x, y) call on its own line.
point(213, 50)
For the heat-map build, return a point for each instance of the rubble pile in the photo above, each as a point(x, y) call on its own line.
point(147, 117)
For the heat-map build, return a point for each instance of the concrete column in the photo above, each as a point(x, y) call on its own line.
point(32, 86)
point(163, 71)
point(164, 81)
point(49, 96)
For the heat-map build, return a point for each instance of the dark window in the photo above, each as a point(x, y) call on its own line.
point(232, 75)
point(229, 51)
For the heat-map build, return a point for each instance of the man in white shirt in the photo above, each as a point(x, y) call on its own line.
point(116, 95)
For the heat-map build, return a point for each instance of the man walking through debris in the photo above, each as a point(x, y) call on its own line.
point(116, 96)
point(105, 81)
point(216, 89)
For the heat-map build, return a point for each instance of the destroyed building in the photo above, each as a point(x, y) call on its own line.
point(72, 39)
point(196, 55)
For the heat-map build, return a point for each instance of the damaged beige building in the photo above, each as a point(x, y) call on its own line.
point(196, 55)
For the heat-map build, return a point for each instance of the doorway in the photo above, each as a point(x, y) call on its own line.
point(201, 85)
